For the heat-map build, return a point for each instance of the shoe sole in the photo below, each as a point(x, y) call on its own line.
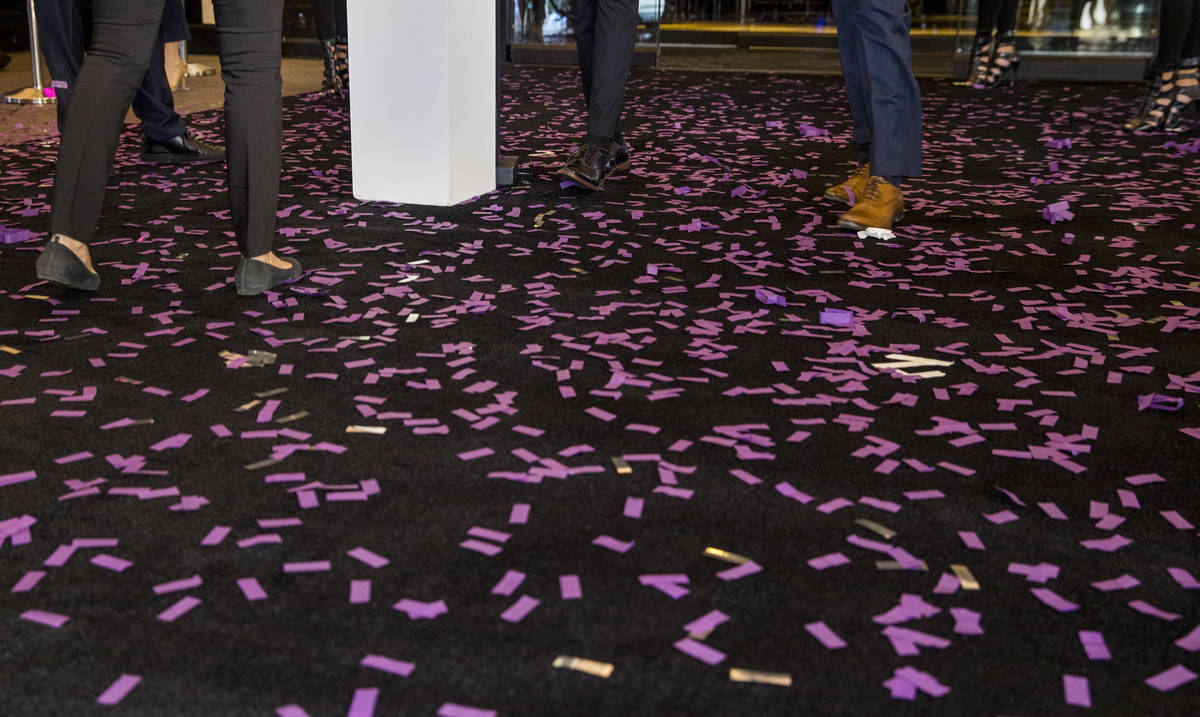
point(851, 224)
point(177, 159)
point(569, 176)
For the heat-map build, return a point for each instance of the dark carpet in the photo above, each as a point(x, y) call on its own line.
point(949, 472)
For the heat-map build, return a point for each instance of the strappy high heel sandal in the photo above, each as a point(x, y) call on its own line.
point(1157, 116)
point(1158, 81)
point(1187, 95)
point(981, 58)
point(1005, 62)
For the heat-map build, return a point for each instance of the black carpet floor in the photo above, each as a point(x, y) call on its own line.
point(685, 428)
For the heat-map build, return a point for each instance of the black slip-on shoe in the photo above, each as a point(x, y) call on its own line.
point(254, 277)
point(61, 266)
point(182, 149)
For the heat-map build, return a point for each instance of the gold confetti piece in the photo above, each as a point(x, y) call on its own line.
point(272, 392)
point(702, 636)
point(580, 664)
point(1156, 320)
point(262, 464)
point(577, 270)
point(377, 430)
point(1176, 302)
point(292, 417)
point(623, 467)
point(260, 358)
point(247, 406)
point(142, 422)
point(882, 530)
point(783, 679)
point(726, 556)
point(540, 218)
point(355, 338)
point(894, 565)
point(10, 350)
point(37, 296)
point(673, 278)
point(903, 361)
point(965, 578)
point(130, 381)
point(412, 318)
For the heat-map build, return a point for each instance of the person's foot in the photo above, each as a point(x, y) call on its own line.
point(850, 190)
point(182, 149)
point(587, 167)
point(257, 274)
point(67, 262)
point(881, 206)
point(618, 160)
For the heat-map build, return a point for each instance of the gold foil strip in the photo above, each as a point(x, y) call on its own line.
point(262, 464)
point(623, 467)
point(580, 664)
point(272, 392)
point(130, 381)
point(539, 219)
point(895, 565)
point(886, 532)
point(377, 430)
point(701, 636)
point(247, 406)
point(10, 350)
point(37, 296)
point(782, 679)
point(292, 417)
point(965, 578)
point(726, 556)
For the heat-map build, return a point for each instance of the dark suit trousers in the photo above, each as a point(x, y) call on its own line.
point(873, 42)
point(125, 40)
point(605, 35)
point(62, 32)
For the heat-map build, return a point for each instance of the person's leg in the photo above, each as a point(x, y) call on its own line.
point(154, 103)
point(585, 42)
point(1006, 16)
point(250, 34)
point(124, 39)
point(894, 98)
point(989, 13)
point(612, 56)
point(324, 19)
point(854, 74)
point(62, 36)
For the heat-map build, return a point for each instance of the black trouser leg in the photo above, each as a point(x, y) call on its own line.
point(250, 41)
point(989, 13)
point(605, 35)
point(124, 35)
point(1006, 20)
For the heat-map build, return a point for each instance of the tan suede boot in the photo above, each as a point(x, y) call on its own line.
point(851, 190)
point(881, 205)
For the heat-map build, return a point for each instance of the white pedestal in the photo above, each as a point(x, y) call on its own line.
point(422, 99)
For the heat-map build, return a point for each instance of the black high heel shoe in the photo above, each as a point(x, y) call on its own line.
point(1187, 95)
point(331, 83)
point(1159, 83)
point(1006, 63)
point(981, 58)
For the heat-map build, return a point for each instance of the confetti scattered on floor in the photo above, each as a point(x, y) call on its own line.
point(681, 447)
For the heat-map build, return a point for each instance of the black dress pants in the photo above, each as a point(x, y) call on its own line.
point(605, 35)
point(125, 39)
point(63, 34)
point(330, 18)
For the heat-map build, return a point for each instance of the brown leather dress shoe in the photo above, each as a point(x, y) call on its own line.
point(881, 205)
point(851, 190)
